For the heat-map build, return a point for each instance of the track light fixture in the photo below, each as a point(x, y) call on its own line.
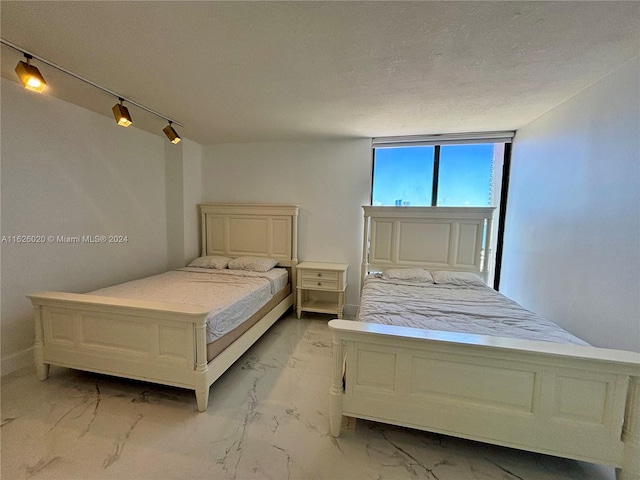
point(32, 79)
point(30, 76)
point(171, 134)
point(121, 113)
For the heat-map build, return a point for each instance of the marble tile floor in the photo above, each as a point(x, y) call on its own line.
point(267, 419)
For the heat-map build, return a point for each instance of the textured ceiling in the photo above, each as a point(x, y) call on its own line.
point(269, 71)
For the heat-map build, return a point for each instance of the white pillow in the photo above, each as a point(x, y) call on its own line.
point(408, 274)
point(255, 264)
point(211, 261)
point(457, 278)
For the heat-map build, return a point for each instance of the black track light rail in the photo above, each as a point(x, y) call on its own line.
point(93, 84)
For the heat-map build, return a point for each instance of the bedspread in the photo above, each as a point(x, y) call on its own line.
point(230, 296)
point(466, 309)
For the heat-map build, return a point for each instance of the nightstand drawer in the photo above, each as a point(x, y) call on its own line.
point(319, 275)
point(319, 284)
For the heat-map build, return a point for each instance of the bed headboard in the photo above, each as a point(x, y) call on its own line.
point(436, 238)
point(259, 230)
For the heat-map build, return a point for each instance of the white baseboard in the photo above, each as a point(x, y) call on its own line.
point(14, 362)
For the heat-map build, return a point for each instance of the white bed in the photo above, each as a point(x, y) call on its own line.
point(565, 399)
point(169, 328)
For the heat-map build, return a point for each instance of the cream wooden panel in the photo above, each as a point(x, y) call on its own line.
point(127, 337)
point(581, 399)
point(173, 342)
point(424, 242)
point(469, 244)
point(247, 236)
point(497, 387)
point(215, 236)
point(281, 237)
point(377, 369)
point(381, 241)
point(258, 236)
point(60, 328)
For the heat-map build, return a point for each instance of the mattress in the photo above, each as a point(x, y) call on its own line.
point(231, 296)
point(454, 308)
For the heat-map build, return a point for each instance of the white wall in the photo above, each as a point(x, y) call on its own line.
point(174, 200)
point(184, 193)
point(329, 180)
point(572, 240)
point(68, 171)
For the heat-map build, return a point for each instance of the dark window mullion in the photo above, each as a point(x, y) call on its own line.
point(436, 172)
point(504, 193)
point(373, 173)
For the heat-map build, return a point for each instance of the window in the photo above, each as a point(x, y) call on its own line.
point(465, 174)
point(440, 175)
point(448, 171)
point(403, 176)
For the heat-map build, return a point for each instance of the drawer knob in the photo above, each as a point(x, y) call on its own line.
point(319, 283)
point(319, 274)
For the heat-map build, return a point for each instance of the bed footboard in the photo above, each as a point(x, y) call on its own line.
point(152, 341)
point(564, 400)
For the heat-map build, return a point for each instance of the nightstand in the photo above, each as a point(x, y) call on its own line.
point(321, 287)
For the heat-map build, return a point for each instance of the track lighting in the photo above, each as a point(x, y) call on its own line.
point(30, 76)
point(121, 114)
point(32, 79)
point(171, 134)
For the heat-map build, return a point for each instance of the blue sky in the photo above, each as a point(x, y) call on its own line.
point(406, 173)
